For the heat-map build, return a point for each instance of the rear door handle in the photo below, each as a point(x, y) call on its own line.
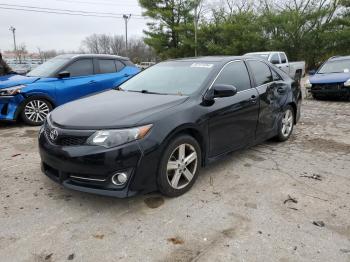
point(126, 75)
point(92, 82)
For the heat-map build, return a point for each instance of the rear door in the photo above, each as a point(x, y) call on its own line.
point(284, 65)
point(111, 73)
point(272, 95)
point(81, 82)
point(233, 120)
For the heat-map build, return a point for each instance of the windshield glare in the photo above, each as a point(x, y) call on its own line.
point(48, 68)
point(340, 66)
point(175, 77)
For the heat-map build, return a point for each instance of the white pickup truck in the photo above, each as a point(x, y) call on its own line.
point(295, 70)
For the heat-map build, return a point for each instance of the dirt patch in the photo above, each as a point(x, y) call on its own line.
point(154, 202)
point(176, 240)
point(326, 145)
point(30, 133)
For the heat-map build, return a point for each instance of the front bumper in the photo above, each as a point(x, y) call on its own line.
point(90, 168)
point(9, 106)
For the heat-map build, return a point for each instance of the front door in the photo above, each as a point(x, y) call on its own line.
point(233, 120)
point(82, 81)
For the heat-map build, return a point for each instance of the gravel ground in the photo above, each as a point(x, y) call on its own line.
point(257, 204)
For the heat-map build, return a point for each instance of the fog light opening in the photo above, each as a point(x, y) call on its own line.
point(119, 179)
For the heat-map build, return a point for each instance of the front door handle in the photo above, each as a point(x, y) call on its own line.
point(92, 82)
point(253, 99)
point(126, 75)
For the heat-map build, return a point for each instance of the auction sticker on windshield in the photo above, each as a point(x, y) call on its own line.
point(201, 65)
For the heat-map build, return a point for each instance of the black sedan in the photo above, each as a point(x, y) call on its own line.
point(158, 129)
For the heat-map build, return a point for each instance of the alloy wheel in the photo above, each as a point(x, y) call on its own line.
point(182, 166)
point(36, 111)
point(287, 123)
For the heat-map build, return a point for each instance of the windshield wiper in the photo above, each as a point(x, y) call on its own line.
point(144, 91)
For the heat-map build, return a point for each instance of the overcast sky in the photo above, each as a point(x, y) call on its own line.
point(65, 32)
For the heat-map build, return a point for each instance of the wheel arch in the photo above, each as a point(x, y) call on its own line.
point(31, 96)
point(192, 130)
point(295, 110)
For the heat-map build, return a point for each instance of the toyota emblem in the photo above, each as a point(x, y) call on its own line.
point(53, 134)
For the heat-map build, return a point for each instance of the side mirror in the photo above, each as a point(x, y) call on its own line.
point(312, 72)
point(63, 74)
point(275, 62)
point(220, 90)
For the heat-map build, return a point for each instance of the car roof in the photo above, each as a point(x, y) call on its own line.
point(73, 56)
point(264, 52)
point(207, 59)
point(336, 58)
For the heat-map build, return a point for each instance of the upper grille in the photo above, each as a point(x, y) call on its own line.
point(65, 140)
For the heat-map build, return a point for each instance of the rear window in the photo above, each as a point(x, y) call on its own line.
point(261, 72)
point(107, 66)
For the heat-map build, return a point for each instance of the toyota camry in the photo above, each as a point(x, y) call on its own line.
point(158, 129)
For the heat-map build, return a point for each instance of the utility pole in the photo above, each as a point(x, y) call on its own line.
point(14, 39)
point(196, 26)
point(126, 19)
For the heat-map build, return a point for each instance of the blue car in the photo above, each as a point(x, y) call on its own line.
point(60, 80)
point(332, 79)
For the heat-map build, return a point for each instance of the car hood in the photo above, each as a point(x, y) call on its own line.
point(112, 109)
point(329, 78)
point(14, 80)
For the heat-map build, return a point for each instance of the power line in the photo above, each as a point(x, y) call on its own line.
point(94, 3)
point(63, 10)
point(65, 13)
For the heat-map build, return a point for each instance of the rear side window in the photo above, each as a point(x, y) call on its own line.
point(283, 58)
point(261, 72)
point(107, 66)
point(82, 67)
point(119, 65)
point(235, 74)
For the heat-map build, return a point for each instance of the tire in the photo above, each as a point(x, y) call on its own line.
point(175, 176)
point(35, 111)
point(286, 124)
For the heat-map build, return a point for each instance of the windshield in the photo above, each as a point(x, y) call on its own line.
point(175, 77)
point(339, 66)
point(49, 67)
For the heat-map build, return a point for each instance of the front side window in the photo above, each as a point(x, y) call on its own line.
point(82, 67)
point(338, 66)
point(261, 72)
point(235, 74)
point(107, 66)
point(174, 77)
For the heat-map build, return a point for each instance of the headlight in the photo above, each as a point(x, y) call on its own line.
point(11, 91)
point(347, 83)
point(113, 138)
point(308, 84)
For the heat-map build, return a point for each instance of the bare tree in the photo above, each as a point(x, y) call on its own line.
point(92, 44)
point(21, 52)
point(117, 45)
point(104, 42)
